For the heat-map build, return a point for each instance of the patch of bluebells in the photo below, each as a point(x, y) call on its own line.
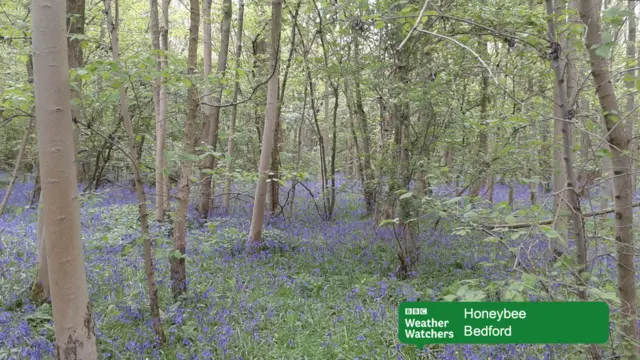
point(317, 282)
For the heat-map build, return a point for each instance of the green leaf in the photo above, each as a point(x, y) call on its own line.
point(379, 24)
point(510, 219)
point(406, 196)
point(388, 221)
point(449, 298)
point(177, 254)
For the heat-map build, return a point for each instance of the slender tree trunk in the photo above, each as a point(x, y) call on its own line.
point(560, 209)
point(618, 141)
point(178, 266)
point(155, 42)
point(16, 167)
point(564, 114)
point(322, 179)
point(75, 30)
point(206, 177)
point(274, 184)
point(163, 108)
point(631, 84)
point(483, 137)
point(72, 315)
point(134, 159)
point(352, 130)
point(255, 233)
point(369, 188)
point(299, 148)
point(334, 147)
point(234, 109)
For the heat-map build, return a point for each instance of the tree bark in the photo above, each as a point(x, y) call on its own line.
point(572, 198)
point(255, 232)
point(134, 159)
point(210, 161)
point(72, 315)
point(234, 109)
point(618, 141)
point(163, 108)
point(155, 42)
point(352, 130)
point(560, 210)
point(178, 266)
point(75, 29)
point(369, 188)
point(631, 84)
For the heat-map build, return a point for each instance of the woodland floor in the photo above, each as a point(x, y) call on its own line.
point(323, 290)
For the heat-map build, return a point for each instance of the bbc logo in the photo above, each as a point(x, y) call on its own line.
point(415, 311)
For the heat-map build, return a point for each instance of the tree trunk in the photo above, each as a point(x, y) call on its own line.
point(274, 184)
point(163, 109)
point(334, 149)
point(41, 290)
point(631, 84)
point(255, 233)
point(16, 166)
point(75, 30)
point(234, 109)
point(618, 141)
point(72, 315)
point(483, 137)
point(209, 161)
point(352, 130)
point(369, 188)
point(134, 159)
point(155, 42)
point(178, 266)
point(205, 175)
point(560, 210)
point(564, 114)
point(322, 174)
point(299, 148)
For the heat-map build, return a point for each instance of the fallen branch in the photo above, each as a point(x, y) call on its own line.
point(548, 222)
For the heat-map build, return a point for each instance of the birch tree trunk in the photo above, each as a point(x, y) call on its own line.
point(234, 109)
point(257, 219)
point(72, 315)
point(134, 159)
point(618, 141)
point(210, 161)
point(178, 266)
